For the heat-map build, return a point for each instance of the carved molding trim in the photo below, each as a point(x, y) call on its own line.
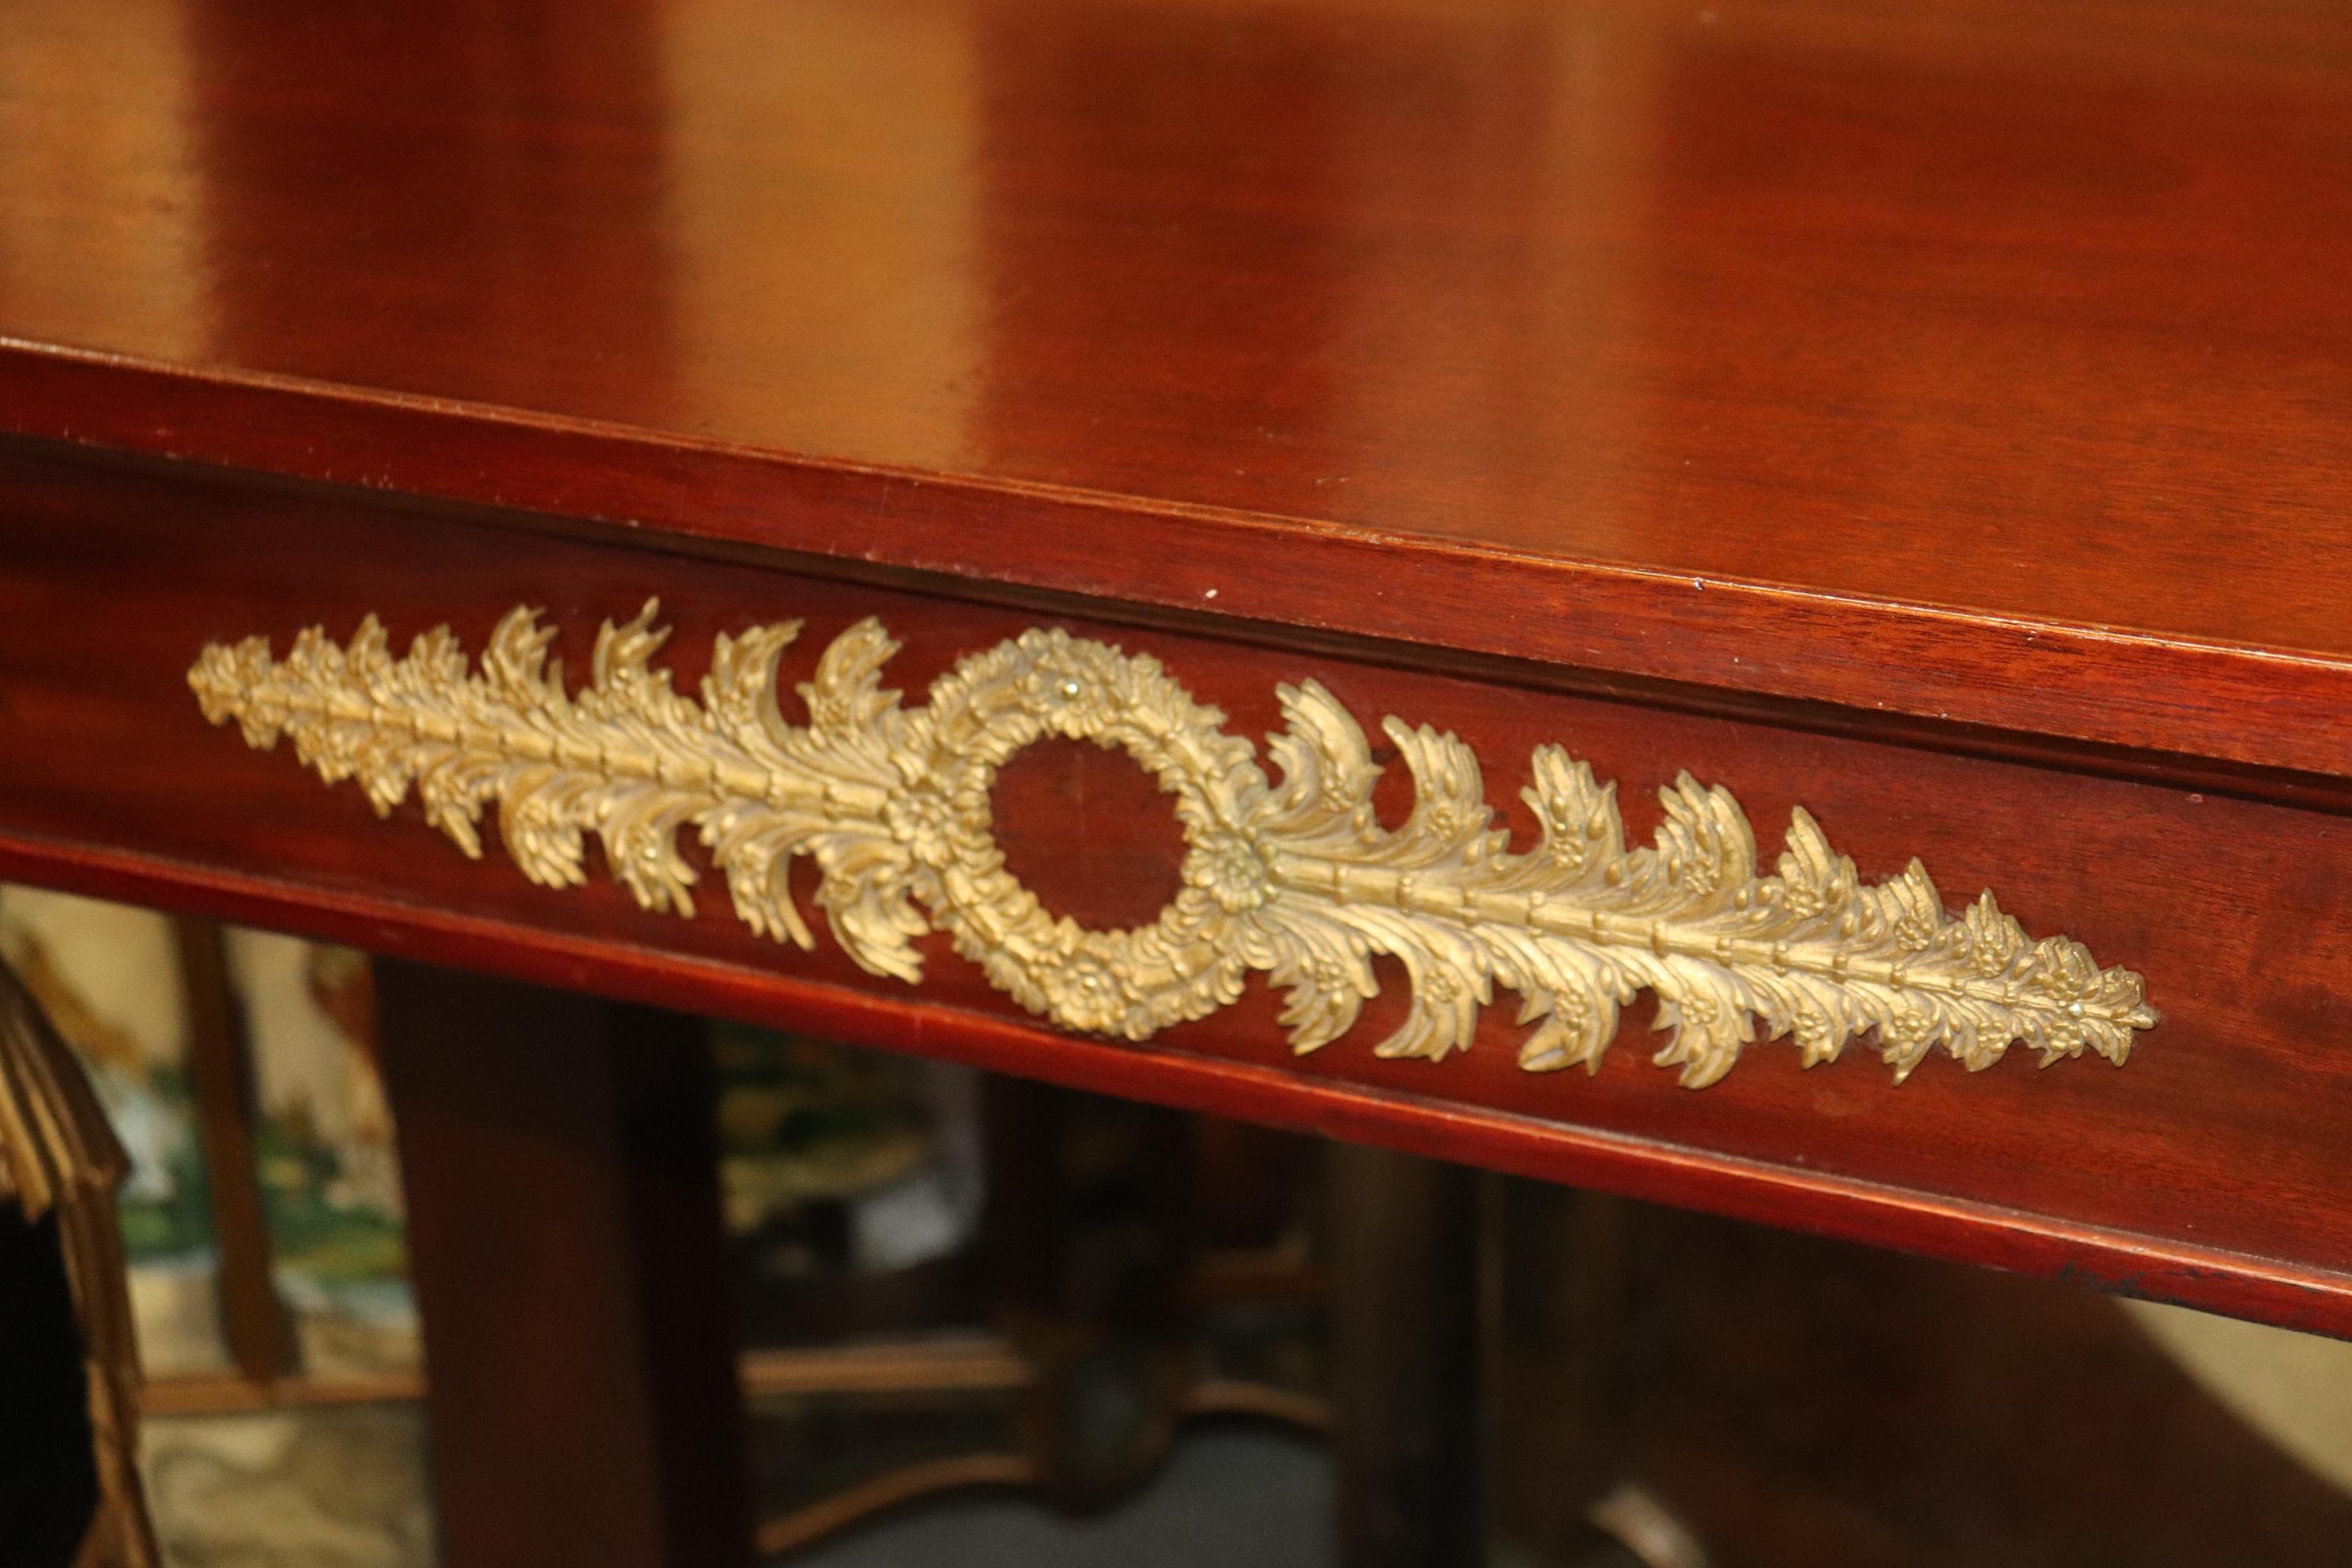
point(1297, 878)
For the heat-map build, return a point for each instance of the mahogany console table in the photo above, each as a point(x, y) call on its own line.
point(1492, 579)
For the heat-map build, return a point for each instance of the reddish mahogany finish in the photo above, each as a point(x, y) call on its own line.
point(557, 1153)
point(2207, 1170)
point(1873, 392)
point(1973, 361)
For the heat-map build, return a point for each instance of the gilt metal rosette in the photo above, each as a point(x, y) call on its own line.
point(1292, 875)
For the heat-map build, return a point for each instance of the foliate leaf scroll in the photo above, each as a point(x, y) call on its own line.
point(1296, 877)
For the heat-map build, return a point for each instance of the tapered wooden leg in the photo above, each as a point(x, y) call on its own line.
point(1558, 1406)
point(1088, 1253)
point(253, 1320)
point(571, 1265)
point(1404, 1263)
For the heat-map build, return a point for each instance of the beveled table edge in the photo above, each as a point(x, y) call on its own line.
point(2256, 707)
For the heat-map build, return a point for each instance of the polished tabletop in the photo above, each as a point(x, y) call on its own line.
point(2038, 313)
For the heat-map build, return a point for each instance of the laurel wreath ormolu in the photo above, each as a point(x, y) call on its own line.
point(1297, 878)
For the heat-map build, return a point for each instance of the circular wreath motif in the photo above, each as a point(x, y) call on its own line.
point(1133, 981)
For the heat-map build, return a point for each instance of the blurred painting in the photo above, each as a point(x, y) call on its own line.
point(110, 977)
point(329, 1172)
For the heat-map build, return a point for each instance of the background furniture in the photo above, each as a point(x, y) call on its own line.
point(69, 1486)
point(1057, 1307)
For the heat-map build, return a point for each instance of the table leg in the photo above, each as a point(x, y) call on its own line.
point(571, 1265)
point(1559, 1406)
point(1403, 1250)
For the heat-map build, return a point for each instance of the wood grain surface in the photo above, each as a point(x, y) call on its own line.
point(558, 1150)
point(2208, 1170)
point(1976, 360)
